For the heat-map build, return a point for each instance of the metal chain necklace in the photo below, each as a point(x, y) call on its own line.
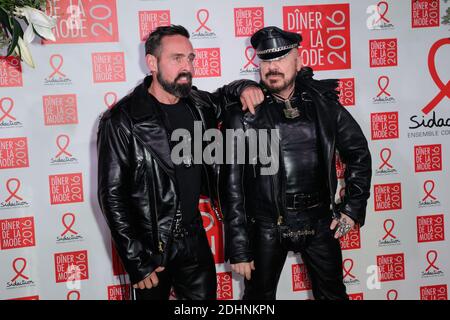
point(289, 111)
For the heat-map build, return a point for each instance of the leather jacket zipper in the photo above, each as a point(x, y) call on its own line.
point(158, 242)
point(275, 190)
point(274, 183)
point(218, 214)
point(166, 170)
point(335, 214)
point(211, 200)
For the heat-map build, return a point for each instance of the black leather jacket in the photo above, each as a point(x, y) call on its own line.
point(136, 178)
point(243, 189)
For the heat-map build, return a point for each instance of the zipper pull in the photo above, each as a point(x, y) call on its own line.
point(280, 220)
point(253, 162)
point(216, 211)
point(161, 247)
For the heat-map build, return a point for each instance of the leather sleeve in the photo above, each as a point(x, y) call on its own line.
point(113, 179)
point(352, 146)
point(237, 242)
point(229, 94)
point(354, 151)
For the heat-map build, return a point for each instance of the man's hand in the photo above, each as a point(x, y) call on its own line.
point(251, 97)
point(149, 282)
point(244, 268)
point(345, 224)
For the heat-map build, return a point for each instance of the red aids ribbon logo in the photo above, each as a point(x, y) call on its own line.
point(383, 86)
point(73, 293)
point(382, 14)
point(348, 270)
point(389, 229)
point(19, 273)
point(432, 260)
point(428, 191)
point(70, 225)
point(392, 294)
point(63, 148)
point(203, 21)
point(13, 193)
point(107, 99)
point(385, 159)
point(445, 89)
point(6, 113)
point(250, 59)
point(56, 68)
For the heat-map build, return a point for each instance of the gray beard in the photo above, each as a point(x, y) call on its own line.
point(278, 89)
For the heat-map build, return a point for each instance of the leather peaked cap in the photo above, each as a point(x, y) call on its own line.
point(273, 43)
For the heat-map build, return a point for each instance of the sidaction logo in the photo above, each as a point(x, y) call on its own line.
point(69, 234)
point(7, 118)
point(20, 279)
point(432, 269)
point(203, 31)
point(429, 119)
point(250, 67)
point(14, 199)
point(378, 19)
point(57, 77)
point(63, 156)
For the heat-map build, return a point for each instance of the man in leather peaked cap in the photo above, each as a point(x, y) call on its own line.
point(268, 215)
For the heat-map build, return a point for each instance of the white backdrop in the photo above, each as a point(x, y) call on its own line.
point(392, 58)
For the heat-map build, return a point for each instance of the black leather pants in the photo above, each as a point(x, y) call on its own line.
point(190, 271)
point(321, 254)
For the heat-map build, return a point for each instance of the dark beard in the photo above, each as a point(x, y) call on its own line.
point(178, 90)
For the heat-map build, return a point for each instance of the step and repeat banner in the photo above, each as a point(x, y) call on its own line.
point(392, 59)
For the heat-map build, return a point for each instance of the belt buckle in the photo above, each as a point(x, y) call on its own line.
point(295, 202)
point(300, 201)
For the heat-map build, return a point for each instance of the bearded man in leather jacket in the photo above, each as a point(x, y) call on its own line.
point(268, 215)
point(150, 201)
